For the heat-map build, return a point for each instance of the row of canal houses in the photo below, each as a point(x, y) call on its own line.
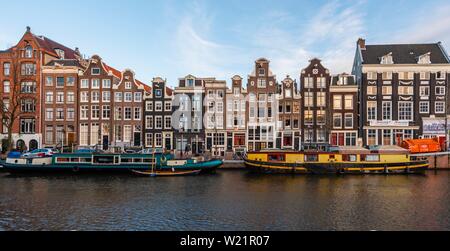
point(394, 92)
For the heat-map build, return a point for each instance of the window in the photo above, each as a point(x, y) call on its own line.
point(190, 82)
point(128, 97)
point(321, 101)
point(158, 139)
point(439, 107)
point(349, 120)
point(84, 97)
point(106, 112)
point(387, 110)
point(372, 76)
point(95, 84)
point(128, 85)
point(348, 102)
point(158, 93)
point(372, 137)
point(137, 113)
point(425, 75)
point(85, 83)
point(70, 114)
point(49, 114)
point(337, 102)
point(60, 97)
point(440, 75)
point(406, 90)
point(321, 82)
point(118, 133)
point(6, 86)
point(168, 106)
point(149, 139)
point(95, 128)
point(148, 122)
point(95, 109)
point(127, 113)
point(424, 91)
point(84, 134)
point(28, 105)
point(106, 83)
point(28, 52)
point(137, 97)
point(158, 106)
point(48, 81)
point(261, 83)
point(387, 75)
point(27, 126)
point(387, 137)
point(70, 81)
point(337, 120)
point(309, 117)
point(28, 87)
point(262, 72)
point(149, 106)
point(405, 111)
point(309, 82)
point(288, 93)
point(6, 69)
point(309, 99)
point(424, 107)
point(118, 113)
point(28, 69)
point(84, 112)
point(95, 97)
point(59, 114)
point(158, 122)
point(106, 96)
point(372, 110)
point(167, 122)
point(440, 90)
point(49, 134)
point(118, 97)
point(406, 75)
point(372, 90)
point(321, 117)
point(387, 90)
point(60, 81)
point(387, 59)
point(95, 71)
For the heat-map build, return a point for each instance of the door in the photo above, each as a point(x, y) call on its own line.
point(33, 145)
point(105, 142)
point(137, 139)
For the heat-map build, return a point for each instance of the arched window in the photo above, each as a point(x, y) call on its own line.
point(28, 51)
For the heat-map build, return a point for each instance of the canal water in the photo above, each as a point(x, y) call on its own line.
point(229, 200)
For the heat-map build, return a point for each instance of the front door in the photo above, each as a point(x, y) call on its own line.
point(137, 139)
point(105, 142)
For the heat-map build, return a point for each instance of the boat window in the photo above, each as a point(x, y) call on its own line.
point(349, 157)
point(137, 160)
point(103, 159)
point(125, 160)
point(277, 157)
point(63, 160)
point(85, 160)
point(148, 160)
point(74, 159)
point(116, 160)
point(372, 158)
point(311, 158)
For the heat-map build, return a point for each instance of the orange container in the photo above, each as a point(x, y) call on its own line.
point(422, 145)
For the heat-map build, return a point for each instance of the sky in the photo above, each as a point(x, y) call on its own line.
point(223, 38)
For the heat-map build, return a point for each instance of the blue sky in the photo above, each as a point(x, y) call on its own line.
point(221, 38)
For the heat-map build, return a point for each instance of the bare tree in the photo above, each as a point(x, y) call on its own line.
point(10, 103)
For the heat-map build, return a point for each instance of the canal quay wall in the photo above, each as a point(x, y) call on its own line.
point(436, 160)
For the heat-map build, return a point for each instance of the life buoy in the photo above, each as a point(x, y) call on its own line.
point(163, 159)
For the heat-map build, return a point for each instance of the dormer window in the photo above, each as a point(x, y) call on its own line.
point(440, 75)
point(343, 80)
point(190, 82)
point(387, 59)
point(425, 59)
point(262, 72)
point(60, 53)
point(95, 71)
point(28, 51)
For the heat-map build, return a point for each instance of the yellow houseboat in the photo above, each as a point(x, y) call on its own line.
point(337, 160)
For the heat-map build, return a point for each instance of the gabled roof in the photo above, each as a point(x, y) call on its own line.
point(404, 53)
point(118, 74)
point(50, 46)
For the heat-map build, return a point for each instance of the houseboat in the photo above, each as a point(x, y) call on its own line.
point(101, 162)
point(336, 160)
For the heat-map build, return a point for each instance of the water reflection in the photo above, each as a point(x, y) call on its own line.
point(230, 200)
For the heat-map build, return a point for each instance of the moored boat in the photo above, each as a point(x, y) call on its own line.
point(93, 162)
point(337, 160)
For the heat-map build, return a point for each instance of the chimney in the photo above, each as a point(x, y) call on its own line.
point(77, 51)
point(28, 29)
point(362, 43)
